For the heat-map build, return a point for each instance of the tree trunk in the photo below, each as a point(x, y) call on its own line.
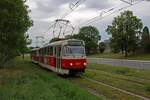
point(122, 51)
point(4, 60)
point(126, 53)
point(23, 56)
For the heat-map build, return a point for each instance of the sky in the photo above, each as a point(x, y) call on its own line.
point(45, 12)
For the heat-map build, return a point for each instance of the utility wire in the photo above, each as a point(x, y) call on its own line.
point(75, 5)
point(101, 14)
point(72, 7)
point(102, 17)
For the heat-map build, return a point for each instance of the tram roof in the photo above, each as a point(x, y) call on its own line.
point(62, 42)
point(35, 49)
point(57, 43)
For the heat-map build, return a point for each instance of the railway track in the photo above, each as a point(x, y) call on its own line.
point(115, 88)
point(94, 92)
point(122, 78)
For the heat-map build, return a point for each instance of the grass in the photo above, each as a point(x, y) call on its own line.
point(123, 71)
point(121, 56)
point(131, 72)
point(27, 81)
point(148, 88)
point(133, 80)
point(107, 92)
point(107, 55)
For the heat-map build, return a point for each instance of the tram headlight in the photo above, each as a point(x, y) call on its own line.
point(71, 64)
point(84, 63)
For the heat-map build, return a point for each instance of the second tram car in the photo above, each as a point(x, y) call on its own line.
point(63, 57)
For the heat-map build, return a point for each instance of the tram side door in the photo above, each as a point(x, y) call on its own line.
point(58, 58)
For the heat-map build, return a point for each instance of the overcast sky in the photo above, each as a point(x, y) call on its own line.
point(44, 12)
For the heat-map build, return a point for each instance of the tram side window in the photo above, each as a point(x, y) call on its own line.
point(34, 53)
point(55, 51)
point(40, 52)
point(51, 50)
point(47, 50)
point(59, 51)
point(37, 53)
point(43, 51)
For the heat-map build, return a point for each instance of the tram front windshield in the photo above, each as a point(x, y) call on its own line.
point(74, 50)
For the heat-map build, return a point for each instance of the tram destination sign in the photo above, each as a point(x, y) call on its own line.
point(75, 43)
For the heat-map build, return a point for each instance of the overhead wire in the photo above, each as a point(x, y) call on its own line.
point(75, 5)
point(72, 8)
point(102, 17)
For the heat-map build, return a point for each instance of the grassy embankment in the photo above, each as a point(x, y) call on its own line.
point(133, 80)
point(27, 81)
point(121, 56)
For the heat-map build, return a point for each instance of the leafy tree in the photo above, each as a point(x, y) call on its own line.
point(125, 32)
point(102, 47)
point(145, 42)
point(74, 36)
point(14, 22)
point(114, 46)
point(23, 48)
point(91, 36)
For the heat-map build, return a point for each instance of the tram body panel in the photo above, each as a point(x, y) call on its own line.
point(51, 61)
point(73, 63)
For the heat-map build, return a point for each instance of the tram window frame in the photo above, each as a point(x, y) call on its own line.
point(54, 48)
point(36, 52)
point(43, 53)
point(47, 50)
point(43, 50)
point(39, 52)
point(60, 50)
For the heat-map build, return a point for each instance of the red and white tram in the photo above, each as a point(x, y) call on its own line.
point(63, 57)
